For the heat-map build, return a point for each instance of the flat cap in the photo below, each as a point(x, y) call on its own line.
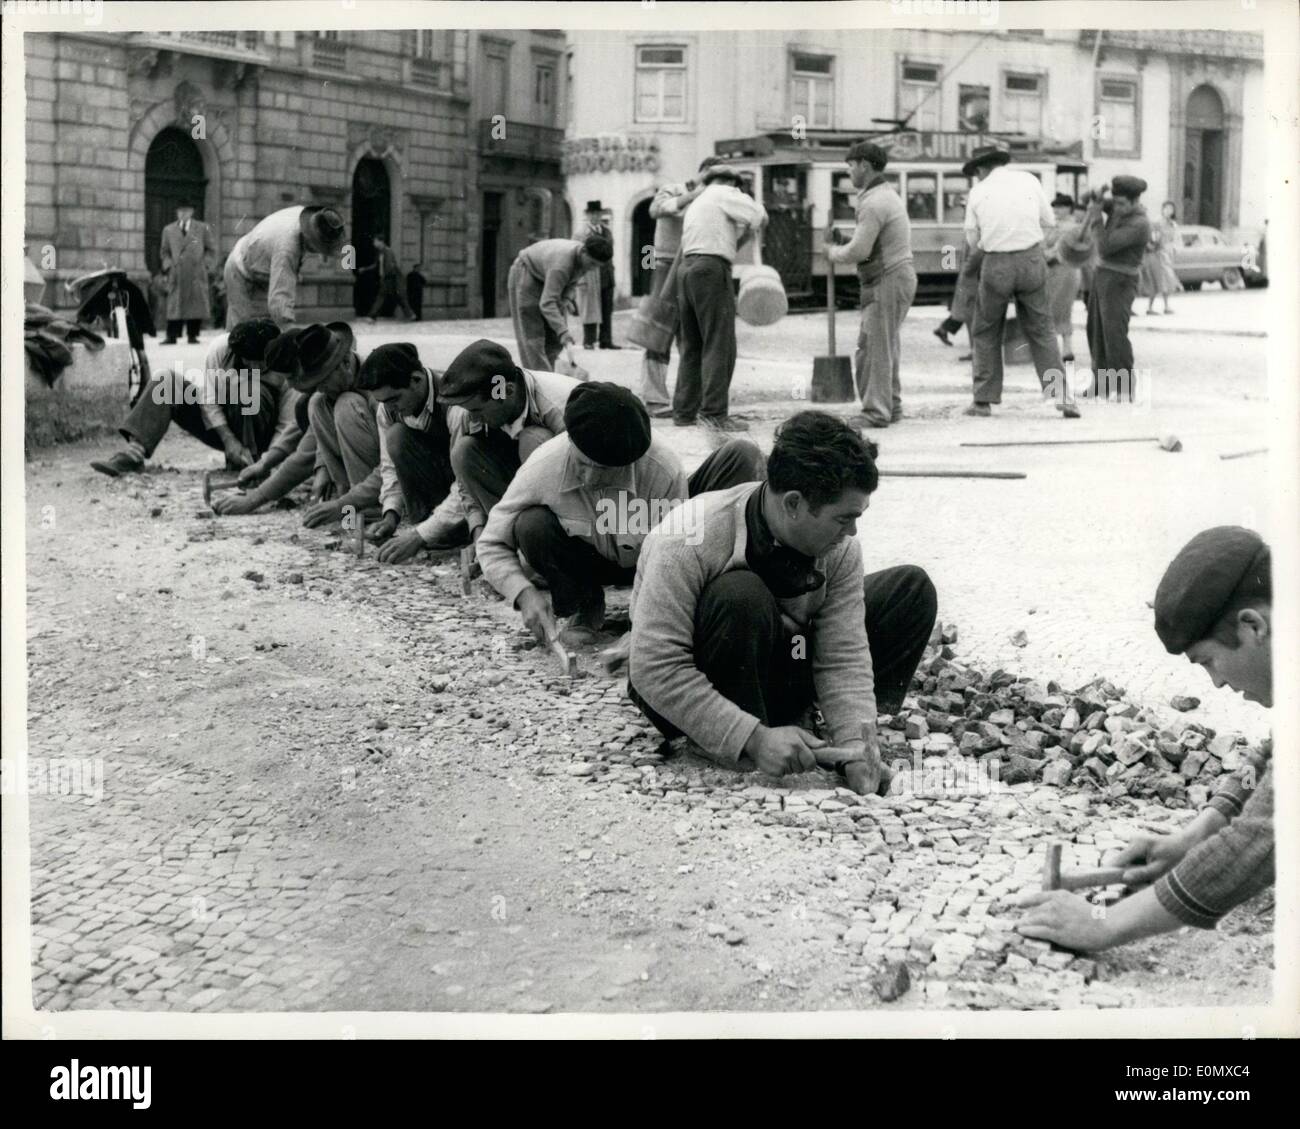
point(720, 171)
point(607, 423)
point(470, 374)
point(1213, 569)
point(389, 366)
point(868, 151)
point(1130, 187)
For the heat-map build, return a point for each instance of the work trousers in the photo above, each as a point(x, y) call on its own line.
point(1110, 304)
point(422, 460)
point(536, 339)
point(743, 647)
point(1019, 276)
point(876, 361)
point(244, 299)
point(654, 366)
point(602, 332)
point(706, 305)
point(147, 421)
point(347, 437)
point(485, 462)
point(191, 329)
point(574, 569)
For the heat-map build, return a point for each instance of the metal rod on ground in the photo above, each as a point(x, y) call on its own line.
point(1060, 442)
point(466, 581)
point(951, 474)
point(361, 536)
point(1245, 454)
point(1052, 867)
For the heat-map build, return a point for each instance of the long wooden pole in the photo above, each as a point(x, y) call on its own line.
point(1244, 454)
point(1062, 442)
point(951, 474)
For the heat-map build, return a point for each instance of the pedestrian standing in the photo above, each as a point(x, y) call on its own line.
point(415, 284)
point(881, 248)
point(187, 251)
point(391, 284)
point(1062, 275)
point(1006, 214)
point(261, 273)
point(542, 283)
point(720, 220)
point(1156, 276)
point(596, 295)
point(666, 209)
point(1122, 230)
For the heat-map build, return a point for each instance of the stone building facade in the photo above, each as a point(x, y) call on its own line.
point(373, 123)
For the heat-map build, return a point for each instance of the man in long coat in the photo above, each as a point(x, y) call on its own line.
point(596, 293)
point(187, 252)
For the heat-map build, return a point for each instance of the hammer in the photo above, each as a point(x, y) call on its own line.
point(466, 564)
point(568, 662)
point(1054, 879)
point(854, 763)
point(217, 480)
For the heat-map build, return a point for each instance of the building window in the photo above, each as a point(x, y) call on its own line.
point(1022, 104)
point(661, 84)
point(425, 47)
point(973, 109)
point(1117, 116)
point(544, 91)
point(918, 95)
point(922, 196)
point(334, 36)
point(812, 88)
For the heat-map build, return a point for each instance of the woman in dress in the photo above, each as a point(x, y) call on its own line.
point(1062, 272)
point(1156, 275)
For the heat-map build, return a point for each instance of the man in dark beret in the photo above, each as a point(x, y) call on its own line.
point(500, 415)
point(227, 404)
point(1214, 604)
point(415, 475)
point(579, 509)
point(1121, 229)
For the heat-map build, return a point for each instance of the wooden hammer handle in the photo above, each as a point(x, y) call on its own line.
point(1082, 879)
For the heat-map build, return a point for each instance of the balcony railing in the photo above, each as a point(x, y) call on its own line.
point(329, 54)
point(518, 139)
point(428, 74)
point(244, 45)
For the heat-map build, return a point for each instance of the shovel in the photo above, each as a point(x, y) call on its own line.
point(832, 379)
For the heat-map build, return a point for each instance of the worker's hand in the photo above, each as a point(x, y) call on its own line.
point(537, 616)
point(252, 475)
point(401, 548)
point(830, 236)
point(614, 659)
point(1064, 919)
point(322, 486)
point(237, 454)
point(568, 355)
point(1147, 857)
point(228, 505)
point(783, 750)
point(383, 529)
point(322, 513)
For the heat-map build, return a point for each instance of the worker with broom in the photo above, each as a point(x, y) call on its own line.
point(1214, 605)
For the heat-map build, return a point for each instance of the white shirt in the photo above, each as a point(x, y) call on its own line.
point(718, 220)
point(1008, 210)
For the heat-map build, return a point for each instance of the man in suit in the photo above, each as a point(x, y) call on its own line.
point(391, 283)
point(598, 287)
point(261, 274)
point(187, 251)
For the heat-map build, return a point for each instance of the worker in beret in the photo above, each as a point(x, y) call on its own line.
point(543, 280)
point(1121, 229)
point(580, 508)
point(229, 405)
point(343, 423)
point(415, 475)
point(1214, 605)
point(289, 461)
point(881, 248)
point(500, 415)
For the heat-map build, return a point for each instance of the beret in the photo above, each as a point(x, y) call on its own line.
point(471, 373)
point(1215, 567)
point(389, 366)
point(607, 423)
point(1130, 187)
point(250, 338)
point(870, 152)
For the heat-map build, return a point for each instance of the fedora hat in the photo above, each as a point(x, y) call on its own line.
point(594, 206)
point(321, 227)
point(985, 155)
point(321, 349)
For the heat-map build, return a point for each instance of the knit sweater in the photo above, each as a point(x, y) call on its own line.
point(679, 559)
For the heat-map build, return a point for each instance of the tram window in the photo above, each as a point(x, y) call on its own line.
point(891, 178)
point(922, 196)
point(955, 188)
point(842, 197)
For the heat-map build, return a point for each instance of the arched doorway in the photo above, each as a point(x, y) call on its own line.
point(561, 220)
point(643, 236)
point(1203, 158)
point(173, 171)
point(371, 215)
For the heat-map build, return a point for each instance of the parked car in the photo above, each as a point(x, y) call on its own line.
point(1204, 255)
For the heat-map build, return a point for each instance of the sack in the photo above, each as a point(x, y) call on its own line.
point(654, 325)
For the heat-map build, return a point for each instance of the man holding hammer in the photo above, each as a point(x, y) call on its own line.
point(1214, 605)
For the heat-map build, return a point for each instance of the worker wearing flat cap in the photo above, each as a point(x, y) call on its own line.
point(579, 509)
point(262, 269)
point(415, 475)
point(500, 414)
point(228, 405)
point(1121, 229)
point(1214, 605)
point(343, 422)
point(881, 249)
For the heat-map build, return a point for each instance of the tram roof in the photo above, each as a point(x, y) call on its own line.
point(905, 146)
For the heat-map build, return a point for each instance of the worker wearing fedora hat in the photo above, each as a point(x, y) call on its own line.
point(1007, 213)
point(261, 272)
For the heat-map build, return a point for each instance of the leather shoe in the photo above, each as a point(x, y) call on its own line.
point(978, 410)
point(118, 464)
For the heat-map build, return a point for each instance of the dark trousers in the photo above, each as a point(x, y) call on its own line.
point(1019, 276)
point(746, 652)
point(1110, 305)
point(607, 312)
point(576, 572)
point(390, 287)
point(174, 329)
point(707, 307)
point(485, 462)
point(147, 421)
point(422, 460)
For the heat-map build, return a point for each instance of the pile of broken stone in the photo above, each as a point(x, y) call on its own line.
point(1037, 732)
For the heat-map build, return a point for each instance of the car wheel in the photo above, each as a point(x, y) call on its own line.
point(1231, 279)
point(1191, 285)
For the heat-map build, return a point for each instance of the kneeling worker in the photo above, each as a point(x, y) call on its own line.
point(751, 606)
point(1214, 605)
point(580, 508)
